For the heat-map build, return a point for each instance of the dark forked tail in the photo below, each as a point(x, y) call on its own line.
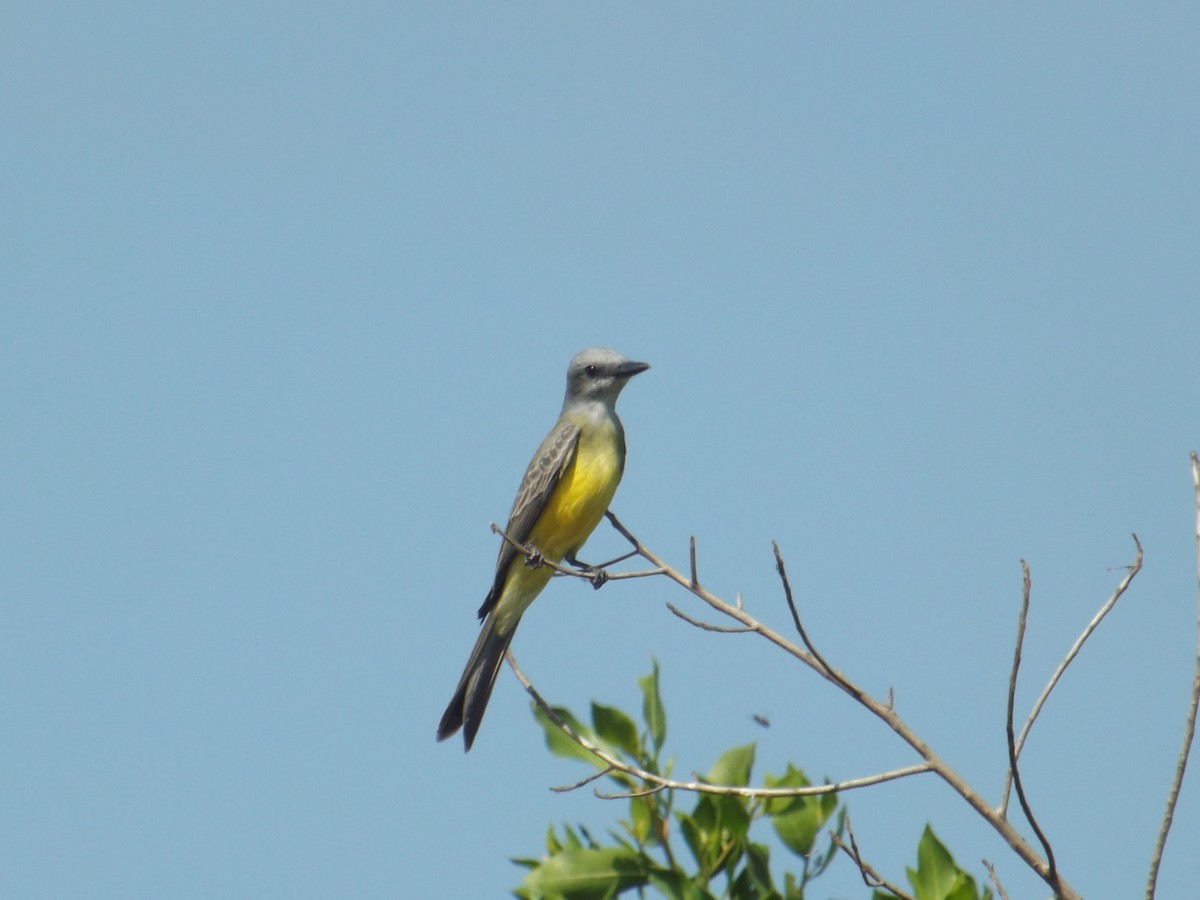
point(475, 687)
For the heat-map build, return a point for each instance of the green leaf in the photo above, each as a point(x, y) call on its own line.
point(561, 745)
point(622, 842)
point(639, 818)
point(733, 768)
point(692, 836)
point(588, 874)
point(733, 816)
point(791, 778)
point(758, 864)
point(615, 728)
point(731, 855)
point(674, 885)
point(715, 821)
point(573, 841)
point(705, 839)
point(798, 820)
point(652, 708)
point(937, 877)
point(705, 812)
point(743, 888)
point(671, 884)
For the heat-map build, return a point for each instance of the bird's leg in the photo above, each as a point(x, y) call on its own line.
point(595, 574)
point(533, 556)
point(615, 560)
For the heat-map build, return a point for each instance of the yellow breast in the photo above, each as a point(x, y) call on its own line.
point(582, 495)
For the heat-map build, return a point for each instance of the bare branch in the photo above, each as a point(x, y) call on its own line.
point(595, 776)
point(588, 573)
point(791, 602)
point(1189, 730)
point(704, 625)
point(870, 877)
point(623, 531)
point(617, 576)
point(700, 787)
point(631, 795)
point(1068, 659)
point(880, 709)
point(614, 560)
point(1052, 869)
point(995, 880)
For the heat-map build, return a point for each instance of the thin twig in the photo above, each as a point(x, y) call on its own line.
point(631, 795)
point(612, 576)
point(1067, 660)
point(1189, 730)
point(623, 531)
point(588, 573)
point(1052, 869)
point(614, 560)
point(692, 556)
point(870, 877)
point(697, 786)
point(704, 625)
point(595, 776)
point(791, 602)
point(995, 880)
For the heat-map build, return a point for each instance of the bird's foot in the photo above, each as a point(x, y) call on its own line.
point(533, 557)
point(595, 574)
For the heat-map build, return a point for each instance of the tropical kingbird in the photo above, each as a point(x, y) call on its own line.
point(565, 492)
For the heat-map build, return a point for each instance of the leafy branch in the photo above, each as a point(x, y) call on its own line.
point(727, 802)
point(727, 855)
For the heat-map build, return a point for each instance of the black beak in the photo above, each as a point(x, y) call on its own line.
point(629, 368)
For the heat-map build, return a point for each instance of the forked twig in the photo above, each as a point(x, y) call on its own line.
point(870, 877)
point(1067, 660)
point(1052, 868)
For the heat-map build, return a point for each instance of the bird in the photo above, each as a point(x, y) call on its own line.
point(564, 494)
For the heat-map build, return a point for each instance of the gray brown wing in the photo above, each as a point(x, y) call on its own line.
point(545, 469)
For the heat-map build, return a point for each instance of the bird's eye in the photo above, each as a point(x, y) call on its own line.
point(591, 372)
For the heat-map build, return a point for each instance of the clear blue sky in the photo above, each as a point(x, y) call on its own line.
point(289, 291)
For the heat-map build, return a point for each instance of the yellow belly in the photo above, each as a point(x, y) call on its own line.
point(578, 503)
point(580, 499)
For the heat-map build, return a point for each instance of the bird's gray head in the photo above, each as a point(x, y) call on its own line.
point(599, 374)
